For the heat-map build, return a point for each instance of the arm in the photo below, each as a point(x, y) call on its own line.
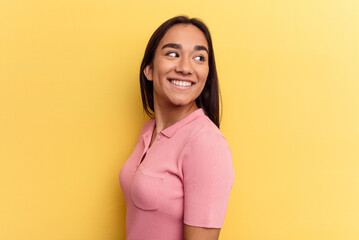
point(200, 233)
point(207, 179)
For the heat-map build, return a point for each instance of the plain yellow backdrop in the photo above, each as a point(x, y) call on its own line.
point(70, 114)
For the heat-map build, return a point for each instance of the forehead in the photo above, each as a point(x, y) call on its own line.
point(185, 34)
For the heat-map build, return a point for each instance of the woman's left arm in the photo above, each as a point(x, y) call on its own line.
point(208, 177)
point(200, 233)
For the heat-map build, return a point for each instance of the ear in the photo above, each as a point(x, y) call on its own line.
point(148, 72)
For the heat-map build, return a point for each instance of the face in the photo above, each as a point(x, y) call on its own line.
point(180, 67)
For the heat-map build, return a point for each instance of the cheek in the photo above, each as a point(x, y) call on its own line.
point(163, 66)
point(203, 74)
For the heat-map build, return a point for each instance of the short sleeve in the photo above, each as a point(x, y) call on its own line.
point(208, 177)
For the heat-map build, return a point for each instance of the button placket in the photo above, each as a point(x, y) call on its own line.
point(146, 141)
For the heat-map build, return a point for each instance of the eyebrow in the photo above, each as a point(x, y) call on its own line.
point(179, 46)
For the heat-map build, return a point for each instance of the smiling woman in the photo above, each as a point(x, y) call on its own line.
point(179, 69)
point(178, 179)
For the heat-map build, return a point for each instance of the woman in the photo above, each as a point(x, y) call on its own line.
point(177, 181)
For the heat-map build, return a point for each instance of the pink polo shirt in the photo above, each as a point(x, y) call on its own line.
point(185, 177)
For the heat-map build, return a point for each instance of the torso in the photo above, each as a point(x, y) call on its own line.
point(152, 180)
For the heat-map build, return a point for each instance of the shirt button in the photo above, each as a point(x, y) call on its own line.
point(158, 137)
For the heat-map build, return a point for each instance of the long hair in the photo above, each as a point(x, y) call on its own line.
point(209, 99)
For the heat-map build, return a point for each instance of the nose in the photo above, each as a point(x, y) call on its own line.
point(184, 66)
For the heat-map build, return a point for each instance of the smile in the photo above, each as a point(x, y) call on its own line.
point(181, 83)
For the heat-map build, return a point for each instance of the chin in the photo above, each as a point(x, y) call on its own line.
point(182, 103)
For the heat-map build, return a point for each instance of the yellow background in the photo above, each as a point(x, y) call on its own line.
point(70, 114)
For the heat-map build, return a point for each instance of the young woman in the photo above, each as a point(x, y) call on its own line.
point(178, 179)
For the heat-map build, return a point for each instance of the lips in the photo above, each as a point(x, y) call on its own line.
point(181, 82)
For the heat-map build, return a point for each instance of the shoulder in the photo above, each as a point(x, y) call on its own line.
point(147, 127)
point(205, 134)
point(206, 146)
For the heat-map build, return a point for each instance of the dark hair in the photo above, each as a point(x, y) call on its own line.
point(208, 100)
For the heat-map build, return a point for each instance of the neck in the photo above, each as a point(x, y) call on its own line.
point(167, 116)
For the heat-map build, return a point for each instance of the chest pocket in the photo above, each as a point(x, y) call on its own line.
point(146, 189)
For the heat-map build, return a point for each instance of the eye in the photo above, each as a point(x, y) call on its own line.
point(199, 58)
point(172, 54)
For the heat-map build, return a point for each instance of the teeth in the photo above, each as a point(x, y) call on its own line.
point(181, 83)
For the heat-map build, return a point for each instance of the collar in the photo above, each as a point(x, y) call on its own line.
point(171, 130)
